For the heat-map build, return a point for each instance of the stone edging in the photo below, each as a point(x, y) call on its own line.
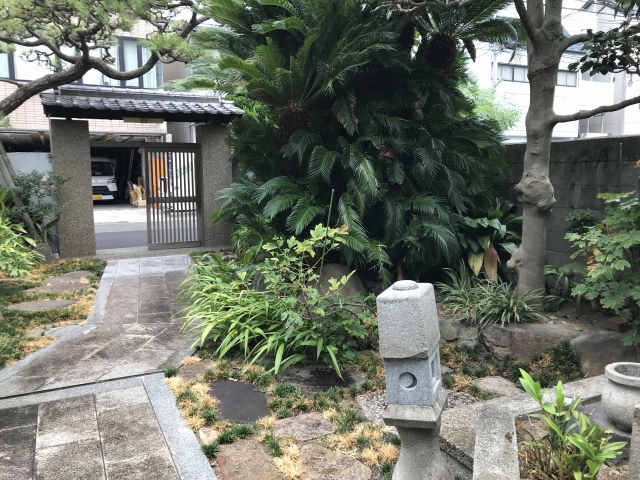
point(496, 446)
point(183, 444)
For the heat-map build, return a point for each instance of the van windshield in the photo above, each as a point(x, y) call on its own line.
point(101, 169)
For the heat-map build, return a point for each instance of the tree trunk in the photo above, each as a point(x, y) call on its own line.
point(535, 190)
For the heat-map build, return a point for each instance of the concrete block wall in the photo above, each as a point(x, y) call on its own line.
point(579, 170)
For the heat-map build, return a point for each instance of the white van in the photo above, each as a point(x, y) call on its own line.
point(103, 179)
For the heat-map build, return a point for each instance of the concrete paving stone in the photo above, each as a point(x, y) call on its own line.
point(140, 362)
point(318, 379)
point(17, 452)
point(60, 287)
point(164, 317)
point(41, 305)
point(244, 460)
point(303, 427)
point(122, 303)
point(498, 386)
point(120, 398)
point(71, 277)
point(122, 291)
point(18, 417)
point(127, 432)
point(120, 317)
point(67, 421)
point(168, 342)
point(77, 460)
point(120, 347)
point(79, 374)
point(151, 280)
point(144, 467)
point(158, 305)
point(151, 329)
point(17, 384)
point(152, 296)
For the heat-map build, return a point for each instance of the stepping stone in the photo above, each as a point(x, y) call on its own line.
point(239, 402)
point(244, 460)
point(60, 287)
point(318, 463)
point(190, 373)
point(41, 305)
point(208, 434)
point(303, 427)
point(498, 386)
point(71, 277)
point(319, 379)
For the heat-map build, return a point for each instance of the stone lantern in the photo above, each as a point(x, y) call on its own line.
point(409, 337)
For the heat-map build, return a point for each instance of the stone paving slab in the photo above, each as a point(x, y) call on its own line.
point(60, 287)
point(131, 332)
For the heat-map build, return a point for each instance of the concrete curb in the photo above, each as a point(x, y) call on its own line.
point(183, 444)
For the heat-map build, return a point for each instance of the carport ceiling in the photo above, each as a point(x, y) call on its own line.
point(26, 140)
point(111, 103)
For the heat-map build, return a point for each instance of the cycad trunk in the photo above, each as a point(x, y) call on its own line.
point(535, 190)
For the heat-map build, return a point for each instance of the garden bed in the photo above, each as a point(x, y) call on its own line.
point(23, 332)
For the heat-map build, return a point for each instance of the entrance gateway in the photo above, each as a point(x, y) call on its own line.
point(174, 195)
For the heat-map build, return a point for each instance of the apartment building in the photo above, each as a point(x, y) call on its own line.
point(500, 69)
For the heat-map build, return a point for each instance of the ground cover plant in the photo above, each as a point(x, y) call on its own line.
point(276, 307)
point(365, 441)
point(336, 101)
point(17, 250)
point(573, 447)
point(611, 250)
point(15, 325)
point(557, 363)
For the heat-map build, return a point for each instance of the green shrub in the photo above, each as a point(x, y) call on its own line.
point(580, 221)
point(290, 318)
point(484, 302)
point(563, 286)
point(17, 250)
point(612, 252)
point(574, 448)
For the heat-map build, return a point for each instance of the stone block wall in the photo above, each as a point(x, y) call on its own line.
point(580, 169)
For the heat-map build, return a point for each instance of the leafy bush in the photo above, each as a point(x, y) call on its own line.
point(36, 190)
point(563, 286)
point(574, 448)
point(484, 302)
point(17, 253)
point(612, 252)
point(338, 103)
point(289, 317)
point(580, 221)
point(490, 239)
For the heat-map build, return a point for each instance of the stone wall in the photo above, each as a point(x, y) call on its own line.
point(579, 171)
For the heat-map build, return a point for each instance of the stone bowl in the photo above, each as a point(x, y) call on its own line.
point(621, 393)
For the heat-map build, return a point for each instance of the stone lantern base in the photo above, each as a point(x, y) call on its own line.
point(419, 430)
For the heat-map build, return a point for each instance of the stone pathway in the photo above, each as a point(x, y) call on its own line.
point(93, 404)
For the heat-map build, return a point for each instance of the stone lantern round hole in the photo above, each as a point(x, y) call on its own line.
point(408, 381)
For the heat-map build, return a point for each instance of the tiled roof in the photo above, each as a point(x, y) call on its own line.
point(81, 101)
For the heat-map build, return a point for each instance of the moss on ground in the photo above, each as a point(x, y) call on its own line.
point(14, 342)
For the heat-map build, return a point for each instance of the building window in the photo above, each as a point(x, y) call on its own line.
point(567, 78)
point(129, 55)
point(518, 73)
point(513, 73)
point(598, 77)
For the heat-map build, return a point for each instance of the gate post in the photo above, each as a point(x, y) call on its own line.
point(216, 175)
point(72, 158)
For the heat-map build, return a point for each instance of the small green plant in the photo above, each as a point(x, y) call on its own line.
point(574, 448)
point(273, 445)
point(580, 221)
point(491, 238)
point(210, 450)
point(612, 253)
point(170, 372)
point(17, 250)
point(485, 302)
point(289, 318)
point(564, 277)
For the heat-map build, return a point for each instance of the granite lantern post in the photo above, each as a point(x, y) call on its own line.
point(409, 338)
